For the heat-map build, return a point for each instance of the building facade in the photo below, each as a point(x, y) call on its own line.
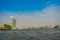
point(13, 21)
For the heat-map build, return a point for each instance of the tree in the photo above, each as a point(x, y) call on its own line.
point(56, 26)
point(6, 26)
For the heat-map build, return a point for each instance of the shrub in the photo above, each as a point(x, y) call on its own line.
point(6, 26)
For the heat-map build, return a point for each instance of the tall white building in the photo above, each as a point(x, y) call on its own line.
point(13, 21)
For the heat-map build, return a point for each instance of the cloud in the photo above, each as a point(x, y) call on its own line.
point(47, 16)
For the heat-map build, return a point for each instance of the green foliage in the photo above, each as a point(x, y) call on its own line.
point(56, 26)
point(6, 26)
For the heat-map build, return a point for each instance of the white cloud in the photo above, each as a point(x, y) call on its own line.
point(49, 15)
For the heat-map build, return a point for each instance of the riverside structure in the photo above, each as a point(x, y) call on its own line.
point(13, 22)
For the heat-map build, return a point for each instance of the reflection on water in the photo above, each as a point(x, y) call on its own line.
point(30, 34)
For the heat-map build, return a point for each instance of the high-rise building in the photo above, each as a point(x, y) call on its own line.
point(13, 21)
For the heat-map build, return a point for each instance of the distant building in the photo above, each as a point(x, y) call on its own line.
point(50, 26)
point(13, 21)
point(1, 26)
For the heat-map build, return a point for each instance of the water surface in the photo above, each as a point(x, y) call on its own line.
point(30, 34)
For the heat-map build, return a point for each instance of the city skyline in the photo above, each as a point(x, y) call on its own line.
point(32, 12)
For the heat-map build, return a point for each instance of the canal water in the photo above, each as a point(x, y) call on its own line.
point(30, 34)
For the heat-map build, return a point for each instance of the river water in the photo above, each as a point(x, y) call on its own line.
point(30, 34)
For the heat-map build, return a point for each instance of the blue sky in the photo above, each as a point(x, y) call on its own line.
point(22, 5)
point(30, 8)
point(26, 5)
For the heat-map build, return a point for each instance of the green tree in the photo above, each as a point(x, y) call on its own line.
point(6, 26)
point(56, 26)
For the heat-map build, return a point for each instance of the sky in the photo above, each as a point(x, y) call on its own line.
point(30, 12)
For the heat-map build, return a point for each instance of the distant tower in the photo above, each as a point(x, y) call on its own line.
point(13, 21)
